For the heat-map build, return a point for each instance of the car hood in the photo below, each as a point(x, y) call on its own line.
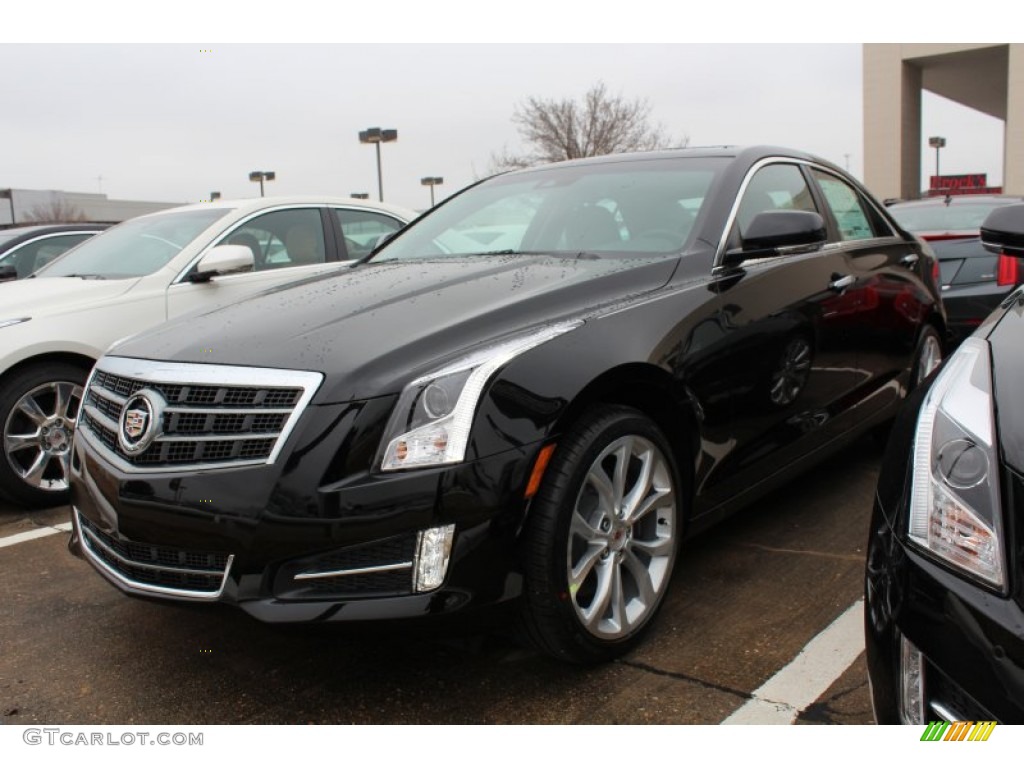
point(374, 327)
point(43, 296)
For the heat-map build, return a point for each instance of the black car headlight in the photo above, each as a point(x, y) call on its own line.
point(954, 505)
point(431, 423)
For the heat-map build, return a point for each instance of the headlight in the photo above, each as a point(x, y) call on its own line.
point(14, 321)
point(430, 425)
point(954, 505)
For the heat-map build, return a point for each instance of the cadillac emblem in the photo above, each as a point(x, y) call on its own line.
point(140, 421)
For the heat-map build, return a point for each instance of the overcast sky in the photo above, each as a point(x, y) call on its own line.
point(175, 121)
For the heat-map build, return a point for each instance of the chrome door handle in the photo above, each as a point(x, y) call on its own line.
point(840, 284)
point(909, 260)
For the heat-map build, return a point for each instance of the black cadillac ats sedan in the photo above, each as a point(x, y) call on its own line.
point(531, 394)
point(944, 605)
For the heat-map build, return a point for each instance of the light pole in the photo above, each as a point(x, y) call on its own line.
point(214, 196)
point(938, 142)
point(261, 176)
point(431, 181)
point(378, 136)
point(360, 195)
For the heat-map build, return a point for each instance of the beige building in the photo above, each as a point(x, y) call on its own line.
point(988, 77)
point(24, 206)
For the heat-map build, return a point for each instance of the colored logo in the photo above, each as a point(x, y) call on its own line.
point(140, 420)
point(964, 730)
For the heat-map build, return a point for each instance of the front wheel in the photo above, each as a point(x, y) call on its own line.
point(602, 537)
point(38, 408)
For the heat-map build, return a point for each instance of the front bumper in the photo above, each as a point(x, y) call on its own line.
point(290, 542)
point(970, 641)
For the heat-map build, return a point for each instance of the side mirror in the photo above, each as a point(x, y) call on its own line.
point(223, 260)
point(1003, 230)
point(8, 272)
point(771, 232)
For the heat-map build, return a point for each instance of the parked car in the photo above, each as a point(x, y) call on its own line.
point(446, 425)
point(57, 323)
point(942, 585)
point(973, 280)
point(23, 250)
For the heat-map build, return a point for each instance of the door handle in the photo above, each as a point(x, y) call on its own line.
point(841, 283)
point(909, 260)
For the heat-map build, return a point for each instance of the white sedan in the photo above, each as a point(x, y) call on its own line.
point(55, 324)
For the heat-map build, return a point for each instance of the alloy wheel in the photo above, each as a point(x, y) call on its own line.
point(38, 434)
point(621, 538)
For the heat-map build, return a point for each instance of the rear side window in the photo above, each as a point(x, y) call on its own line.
point(363, 230)
point(854, 216)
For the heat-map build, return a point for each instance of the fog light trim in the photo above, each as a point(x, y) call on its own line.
point(912, 694)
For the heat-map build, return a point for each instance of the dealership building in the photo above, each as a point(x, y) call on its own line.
point(988, 77)
point(25, 206)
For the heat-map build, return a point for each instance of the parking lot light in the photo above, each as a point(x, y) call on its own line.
point(262, 176)
point(431, 181)
point(378, 136)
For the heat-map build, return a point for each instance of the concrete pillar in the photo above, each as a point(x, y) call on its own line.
point(892, 122)
point(1013, 140)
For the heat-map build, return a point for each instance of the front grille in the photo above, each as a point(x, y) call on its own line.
point(153, 566)
point(210, 415)
point(379, 569)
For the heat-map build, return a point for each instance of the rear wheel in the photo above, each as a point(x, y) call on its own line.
point(38, 408)
point(602, 537)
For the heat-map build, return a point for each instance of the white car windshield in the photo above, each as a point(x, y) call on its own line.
point(135, 248)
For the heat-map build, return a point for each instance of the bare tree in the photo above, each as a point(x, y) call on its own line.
point(599, 124)
point(57, 210)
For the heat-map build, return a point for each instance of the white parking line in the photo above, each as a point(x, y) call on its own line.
point(798, 684)
point(38, 533)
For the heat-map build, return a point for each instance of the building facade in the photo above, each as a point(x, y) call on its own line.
point(988, 77)
point(26, 206)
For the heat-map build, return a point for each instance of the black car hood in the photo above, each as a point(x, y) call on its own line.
point(372, 327)
point(1008, 382)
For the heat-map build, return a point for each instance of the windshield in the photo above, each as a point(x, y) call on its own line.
point(135, 248)
point(943, 218)
point(618, 207)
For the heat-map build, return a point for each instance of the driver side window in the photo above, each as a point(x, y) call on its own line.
point(773, 188)
point(282, 239)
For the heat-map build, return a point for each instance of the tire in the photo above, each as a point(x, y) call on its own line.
point(594, 581)
point(38, 408)
point(927, 356)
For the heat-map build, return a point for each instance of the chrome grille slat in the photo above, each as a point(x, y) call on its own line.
point(211, 415)
point(155, 575)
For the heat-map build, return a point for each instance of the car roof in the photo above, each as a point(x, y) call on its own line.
point(751, 153)
point(255, 204)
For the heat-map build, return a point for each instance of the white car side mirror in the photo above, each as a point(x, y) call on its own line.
point(223, 260)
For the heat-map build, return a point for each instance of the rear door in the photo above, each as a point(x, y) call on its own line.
point(888, 302)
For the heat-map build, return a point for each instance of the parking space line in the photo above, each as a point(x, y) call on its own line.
point(38, 533)
point(799, 684)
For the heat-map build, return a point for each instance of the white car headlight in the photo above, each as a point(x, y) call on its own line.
point(14, 321)
point(954, 505)
point(431, 422)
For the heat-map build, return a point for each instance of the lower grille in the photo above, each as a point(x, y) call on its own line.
point(154, 568)
point(379, 569)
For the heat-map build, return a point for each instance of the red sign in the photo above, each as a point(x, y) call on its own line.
point(964, 184)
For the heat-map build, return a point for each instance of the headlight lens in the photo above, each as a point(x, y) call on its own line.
point(430, 425)
point(14, 321)
point(954, 506)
